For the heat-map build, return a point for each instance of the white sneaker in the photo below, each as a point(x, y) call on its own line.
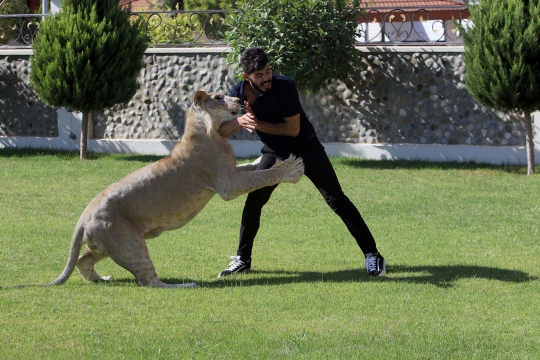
point(236, 266)
point(375, 264)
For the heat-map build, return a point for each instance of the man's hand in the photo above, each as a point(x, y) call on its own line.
point(248, 121)
point(289, 127)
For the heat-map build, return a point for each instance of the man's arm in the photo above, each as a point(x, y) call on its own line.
point(291, 126)
point(248, 121)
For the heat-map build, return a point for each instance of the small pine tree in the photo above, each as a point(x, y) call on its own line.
point(87, 57)
point(502, 59)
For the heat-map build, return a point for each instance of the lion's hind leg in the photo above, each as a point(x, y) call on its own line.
point(127, 247)
point(133, 256)
point(85, 264)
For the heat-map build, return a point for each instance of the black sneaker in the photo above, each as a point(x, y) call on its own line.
point(236, 266)
point(375, 264)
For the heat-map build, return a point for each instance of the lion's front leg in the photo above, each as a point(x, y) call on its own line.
point(243, 182)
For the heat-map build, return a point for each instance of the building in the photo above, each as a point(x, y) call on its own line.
point(406, 21)
point(141, 5)
point(438, 9)
point(386, 21)
point(35, 5)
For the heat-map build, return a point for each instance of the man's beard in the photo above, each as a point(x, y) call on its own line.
point(260, 88)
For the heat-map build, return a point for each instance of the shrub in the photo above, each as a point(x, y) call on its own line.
point(163, 28)
point(208, 4)
point(175, 4)
point(311, 41)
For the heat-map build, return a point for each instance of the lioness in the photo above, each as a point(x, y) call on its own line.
point(167, 194)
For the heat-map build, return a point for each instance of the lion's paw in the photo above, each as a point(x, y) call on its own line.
point(294, 170)
point(280, 163)
point(185, 285)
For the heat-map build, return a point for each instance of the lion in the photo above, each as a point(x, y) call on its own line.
point(167, 194)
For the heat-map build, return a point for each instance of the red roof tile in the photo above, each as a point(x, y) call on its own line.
point(417, 4)
point(376, 4)
point(138, 4)
point(434, 9)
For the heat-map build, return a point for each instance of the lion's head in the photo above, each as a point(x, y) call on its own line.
point(210, 110)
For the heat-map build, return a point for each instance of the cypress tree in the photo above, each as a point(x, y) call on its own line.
point(502, 58)
point(87, 57)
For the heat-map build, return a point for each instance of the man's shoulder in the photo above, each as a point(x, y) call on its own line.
point(238, 88)
point(283, 82)
point(283, 78)
point(239, 84)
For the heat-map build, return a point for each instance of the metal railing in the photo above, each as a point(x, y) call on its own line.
point(184, 27)
point(191, 28)
point(410, 25)
point(18, 30)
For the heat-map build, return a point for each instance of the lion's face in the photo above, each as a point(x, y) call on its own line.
point(220, 108)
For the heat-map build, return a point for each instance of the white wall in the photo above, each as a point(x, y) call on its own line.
point(516, 155)
point(403, 31)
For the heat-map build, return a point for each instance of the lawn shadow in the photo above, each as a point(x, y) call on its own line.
point(70, 155)
point(351, 162)
point(29, 152)
point(139, 157)
point(432, 165)
point(440, 276)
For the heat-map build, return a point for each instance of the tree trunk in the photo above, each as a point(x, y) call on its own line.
point(84, 134)
point(530, 143)
point(303, 99)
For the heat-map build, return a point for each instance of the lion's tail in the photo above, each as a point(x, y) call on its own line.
point(74, 250)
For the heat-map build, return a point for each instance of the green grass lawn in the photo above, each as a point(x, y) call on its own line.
point(461, 243)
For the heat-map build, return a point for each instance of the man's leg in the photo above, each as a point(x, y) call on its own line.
point(320, 171)
point(250, 222)
point(251, 215)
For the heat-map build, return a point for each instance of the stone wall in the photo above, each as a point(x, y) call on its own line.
point(401, 97)
point(21, 111)
point(167, 86)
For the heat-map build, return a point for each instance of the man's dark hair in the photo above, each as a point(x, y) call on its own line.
point(253, 59)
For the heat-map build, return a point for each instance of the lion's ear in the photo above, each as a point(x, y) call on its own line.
point(200, 95)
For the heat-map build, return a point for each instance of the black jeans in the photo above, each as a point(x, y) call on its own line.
point(321, 173)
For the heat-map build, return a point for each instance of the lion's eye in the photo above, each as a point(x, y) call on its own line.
point(219, 97)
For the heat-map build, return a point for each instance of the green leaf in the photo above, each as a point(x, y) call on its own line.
point(82, 56)
point(502, 54)
point(308, 40)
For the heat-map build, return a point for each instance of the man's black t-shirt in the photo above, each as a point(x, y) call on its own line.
point(273, 106)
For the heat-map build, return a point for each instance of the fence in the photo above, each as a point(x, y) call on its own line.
point(410, 103)
point(412, 25)
point(203, 28)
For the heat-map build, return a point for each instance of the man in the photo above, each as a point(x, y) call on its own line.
point(275, 112)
